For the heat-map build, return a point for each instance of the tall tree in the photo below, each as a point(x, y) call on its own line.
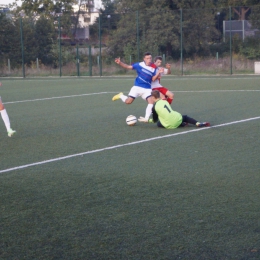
point(158, 24)
point(46, 7)
point(240, 8)
point(144, 25)
point(46, 39)
point(194, 4)
point(9, 41)
point(30, 42)
point(109, 20)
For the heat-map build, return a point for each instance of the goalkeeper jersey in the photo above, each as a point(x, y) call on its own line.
point(169, 118)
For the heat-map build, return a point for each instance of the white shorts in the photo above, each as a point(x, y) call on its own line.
point(139, 92)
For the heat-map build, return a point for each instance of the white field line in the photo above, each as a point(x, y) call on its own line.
point(40, 99)
point(131, 77)
point(223, 90)
point(90, 94)
point(126, 144)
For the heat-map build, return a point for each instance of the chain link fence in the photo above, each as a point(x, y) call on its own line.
point(194, 41)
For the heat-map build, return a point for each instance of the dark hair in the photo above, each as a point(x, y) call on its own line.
point(147, 53)
point(157, 58)
point(155, 94)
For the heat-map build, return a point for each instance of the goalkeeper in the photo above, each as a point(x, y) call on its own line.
point(166, 117)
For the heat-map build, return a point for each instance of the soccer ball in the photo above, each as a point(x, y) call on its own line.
point(131, 120)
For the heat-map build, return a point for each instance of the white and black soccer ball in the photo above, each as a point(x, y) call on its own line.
point(131, 120)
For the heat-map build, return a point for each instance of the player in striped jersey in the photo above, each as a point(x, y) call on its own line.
point(146, 73)
point(156, 85)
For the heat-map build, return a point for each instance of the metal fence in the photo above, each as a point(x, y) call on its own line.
point(194, 41)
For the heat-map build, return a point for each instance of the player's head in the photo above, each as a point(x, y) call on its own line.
point(155, 94)
point(158, 61)
point(147, 58)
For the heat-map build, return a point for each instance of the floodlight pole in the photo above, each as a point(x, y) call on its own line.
point(22, 47)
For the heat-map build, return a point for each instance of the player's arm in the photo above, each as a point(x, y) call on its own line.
point(155, 116)
point(158, 73)
point(125, 66)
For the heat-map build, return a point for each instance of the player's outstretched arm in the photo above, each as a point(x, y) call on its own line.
point(126, 66)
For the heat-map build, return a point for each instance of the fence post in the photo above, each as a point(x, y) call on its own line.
point(181, 42)
point(90, 60)
point(21, 31)
point(137, 35)
point(59, 46)
point(9, 65)
point(37, 63)
point(100, 60)
point(230, 40)
point(78, 60)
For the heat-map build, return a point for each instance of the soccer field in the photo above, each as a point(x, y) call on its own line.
point(77, 183)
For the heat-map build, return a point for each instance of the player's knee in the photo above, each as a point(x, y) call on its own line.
point(150, 100)
point(170, 95)
point(129, 101)
point(1, 106)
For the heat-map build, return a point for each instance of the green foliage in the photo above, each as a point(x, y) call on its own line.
point(46, 7)
point(9, 41)
point(129, 50)
point(194, 4)
point(255, 17)
point(250, 48)
point(128, 28)
point(46, 39)
point(158, 27)
point(30, 42)
point(122, 37)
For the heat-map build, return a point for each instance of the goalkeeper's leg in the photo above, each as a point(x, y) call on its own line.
point(192, 121)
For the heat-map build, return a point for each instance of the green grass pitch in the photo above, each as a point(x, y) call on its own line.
point(77, 183)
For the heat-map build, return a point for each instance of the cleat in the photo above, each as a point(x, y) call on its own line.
point(11, 132)
point(116, 97)
point(204, 124)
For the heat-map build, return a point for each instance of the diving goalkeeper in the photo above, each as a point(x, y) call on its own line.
point(166, 117)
